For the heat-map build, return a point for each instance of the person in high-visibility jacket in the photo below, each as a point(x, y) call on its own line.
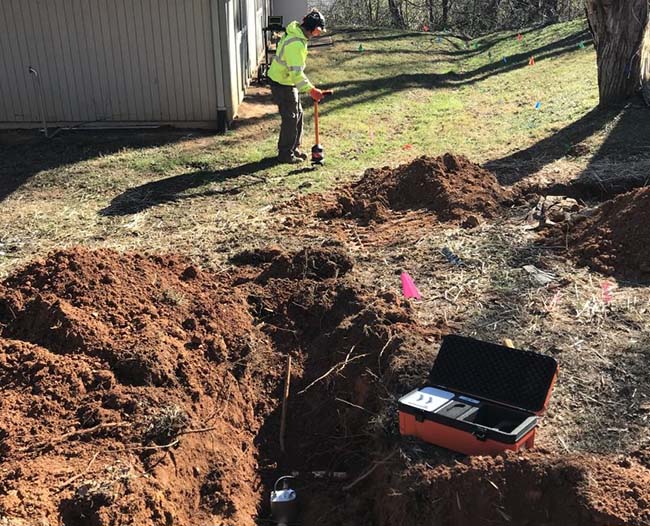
point(287, 78)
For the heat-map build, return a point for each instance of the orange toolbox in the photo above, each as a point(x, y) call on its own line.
point(480, 398)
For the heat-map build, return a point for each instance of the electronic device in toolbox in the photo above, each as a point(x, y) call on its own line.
point(481, 398)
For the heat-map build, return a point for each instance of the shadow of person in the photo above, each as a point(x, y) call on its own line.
point(171, 189)
point(23, 154)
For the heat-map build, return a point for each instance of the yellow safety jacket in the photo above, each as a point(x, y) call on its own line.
point(288, 66)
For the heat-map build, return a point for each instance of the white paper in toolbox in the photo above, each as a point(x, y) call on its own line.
point(427, 398)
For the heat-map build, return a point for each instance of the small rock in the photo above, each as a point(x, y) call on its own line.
point(189, 273)
point(189, 324)
point(471, 222)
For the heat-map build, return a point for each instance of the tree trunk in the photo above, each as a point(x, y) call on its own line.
point(475, 21)
point(431, 13)
point(396, 13)
point(622, 38)
point(491, 15)
point(550, 11)
point(445, 14)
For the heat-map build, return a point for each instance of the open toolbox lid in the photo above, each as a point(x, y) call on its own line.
point(520, 379)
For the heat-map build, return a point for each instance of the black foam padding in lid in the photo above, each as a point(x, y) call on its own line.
point(494, 372)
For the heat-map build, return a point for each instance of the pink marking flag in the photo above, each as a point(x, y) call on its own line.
point(408, 287)
point(607, 292)
point(552, 305)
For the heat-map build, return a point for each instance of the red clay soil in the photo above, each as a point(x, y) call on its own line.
point(314, 264)
point(452, 187)
point(125, 352)
point(524, 489)
point(142, 390)
point(615, 240)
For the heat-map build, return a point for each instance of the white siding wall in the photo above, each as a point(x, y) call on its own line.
point(290, 10)
point(231, 42)
point(118, 60)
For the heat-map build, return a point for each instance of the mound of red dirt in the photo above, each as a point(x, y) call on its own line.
point(529, 488)
point(451, 187)
point(109, 363)
point(615, 240)
point(144, 390)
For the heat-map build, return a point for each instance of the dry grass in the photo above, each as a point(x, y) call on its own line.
point(601, 402)
point(172, 190)
point(611, 175)
point(164, 426)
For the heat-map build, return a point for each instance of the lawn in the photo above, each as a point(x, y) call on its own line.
point(403, 95)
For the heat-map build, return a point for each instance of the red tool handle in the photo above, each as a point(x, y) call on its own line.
point(325, 92)
point(316, 122)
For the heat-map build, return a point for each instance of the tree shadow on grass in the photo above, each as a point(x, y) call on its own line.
point(369, 89)
point(171, 189)
point(522, 163)
point(370, 34)
point(627, 130)
point(24, 154)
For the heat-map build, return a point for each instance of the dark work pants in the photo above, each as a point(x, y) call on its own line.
point(288, 101)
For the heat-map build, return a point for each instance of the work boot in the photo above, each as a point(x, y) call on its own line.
point(300, 155)
point(289, 159)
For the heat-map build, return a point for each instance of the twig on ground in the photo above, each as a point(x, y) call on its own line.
point(152, 448)
point(381, 353)
point(502, 513)
point(285, 398)
point(78, 475)
point(80, 432)
point(355, 405)
point(566, 448)
point(201, 430)
point(335, 368)
point(369, 471)
point(337, 475)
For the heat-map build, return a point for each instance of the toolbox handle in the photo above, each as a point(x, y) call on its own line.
point(480, 434)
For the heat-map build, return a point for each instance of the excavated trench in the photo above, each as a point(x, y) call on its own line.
point(143, 390)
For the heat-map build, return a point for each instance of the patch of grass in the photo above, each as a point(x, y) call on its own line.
point(404, 95)
point(163, 427)
point(172, 297)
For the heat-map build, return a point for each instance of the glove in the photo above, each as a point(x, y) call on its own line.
point(316, 94)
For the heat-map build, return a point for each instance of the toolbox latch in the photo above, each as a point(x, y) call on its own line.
point(419, 416)
point(481, 434)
